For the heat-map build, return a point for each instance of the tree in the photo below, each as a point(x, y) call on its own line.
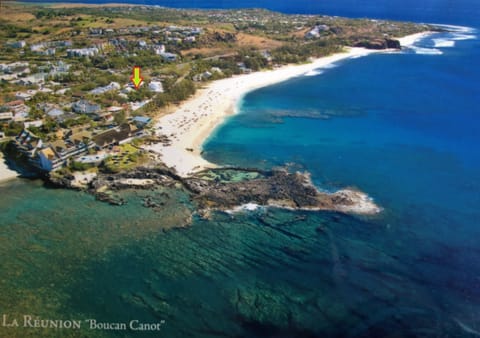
point(120, 118)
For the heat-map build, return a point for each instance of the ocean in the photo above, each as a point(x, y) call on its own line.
point(402, 127)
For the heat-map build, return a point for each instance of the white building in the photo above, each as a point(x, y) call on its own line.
point(37, 123)
point(315, 32)
point(82, 52)
point(156, 86)
point(110, 87)
point(8, 116)
point(159, 49)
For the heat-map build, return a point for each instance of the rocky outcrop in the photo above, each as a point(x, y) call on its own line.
point(379, 44)
point(227, 188)
point(393, 44)
point(224, 37)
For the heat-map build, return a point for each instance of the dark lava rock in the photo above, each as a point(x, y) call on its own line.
point(379, 44)
point(113, 200)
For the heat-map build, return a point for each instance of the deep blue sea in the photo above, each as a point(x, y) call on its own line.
point(403, 127)
point(460, 12)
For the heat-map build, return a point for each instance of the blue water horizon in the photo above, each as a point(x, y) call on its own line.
point(462, 12)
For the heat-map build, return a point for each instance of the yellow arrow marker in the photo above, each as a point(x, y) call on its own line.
point(136, 78)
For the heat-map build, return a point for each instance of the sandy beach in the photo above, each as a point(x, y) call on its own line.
point(6, 173)
point(192, 123)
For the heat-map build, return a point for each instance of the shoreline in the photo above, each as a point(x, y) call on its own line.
point(194, 121)
point(190, 125)
point(6, 174)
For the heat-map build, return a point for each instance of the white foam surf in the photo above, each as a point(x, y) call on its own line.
point(443, 43)
point(244, 208)
point(459, 37)
point(426, 51)
point(313, 72)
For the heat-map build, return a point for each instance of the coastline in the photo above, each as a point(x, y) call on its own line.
point(189, 126)
point(6, 174)
point(194, 120)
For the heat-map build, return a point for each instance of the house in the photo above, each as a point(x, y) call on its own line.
point(266, 54)
point(159, 49)
point(141, 121)
point(23, 96)
point(49, 51)
point(13, 104)
point(38, 47)
point(82, 52)
point(114, 109)
point(60, 68)
point(43, 49)
point(6, 117)
point(107, 117)
point(35, 79)
point(20, 117)
point(18, 108)
point(156, 86)
point(28, 141)
point(65, 43)
point(85, 107)
point(51, 110)
point(36, 124)
point(137, 105)
point(244, 68)
point(55, 113)
point(196, 30)
point(315, 32)
point(17, 44)
point(95, 31)
point(169, 57)
point(110, 87)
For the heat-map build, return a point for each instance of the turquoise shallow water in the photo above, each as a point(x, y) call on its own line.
point(265, 273)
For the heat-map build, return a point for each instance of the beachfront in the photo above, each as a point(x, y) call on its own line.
point(6, 173)
point(192, 123)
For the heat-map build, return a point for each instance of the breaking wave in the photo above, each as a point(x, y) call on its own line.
point(313, 72)
point(443, 43)
point(426, 51)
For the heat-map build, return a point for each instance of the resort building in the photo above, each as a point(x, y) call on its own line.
point(116, 136)
point(48, 157)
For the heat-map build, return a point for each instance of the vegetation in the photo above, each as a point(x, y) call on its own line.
point(127, 158)
point(181, 49)
point(78, 166)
